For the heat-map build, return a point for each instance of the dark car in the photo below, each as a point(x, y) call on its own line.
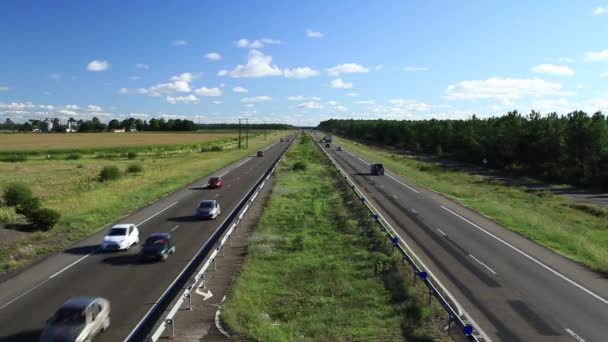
point(215, 183)
point(327, 145)
point(376, 169)
point(260, 153)
point(158, 246)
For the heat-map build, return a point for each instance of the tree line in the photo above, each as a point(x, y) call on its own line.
point(570, 148)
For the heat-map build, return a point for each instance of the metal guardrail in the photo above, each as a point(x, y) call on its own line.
point(142, 330)
point(452, 309)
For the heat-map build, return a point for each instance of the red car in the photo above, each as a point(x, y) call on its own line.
point(215, 183)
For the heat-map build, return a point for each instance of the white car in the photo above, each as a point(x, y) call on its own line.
point(79, 319)
point(121, 237)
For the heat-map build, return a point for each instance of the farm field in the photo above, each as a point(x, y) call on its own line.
point(58, 141)
point(86, 205)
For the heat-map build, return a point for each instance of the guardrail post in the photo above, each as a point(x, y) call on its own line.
point(430, 296)
point(204, 281)
point(189, 300)
point(214, 265)
point(450, 320)
point(171, 321)
point(222, 250)
point(229, 241)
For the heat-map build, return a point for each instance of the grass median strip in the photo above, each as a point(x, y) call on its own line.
point(72, 188)
point(318, 270)
point(579, 232)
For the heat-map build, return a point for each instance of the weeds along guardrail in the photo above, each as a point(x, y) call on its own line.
point(453, 309)
point(207, 252)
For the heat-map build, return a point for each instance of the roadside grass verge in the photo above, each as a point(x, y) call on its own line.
point(317, 270)
point(86, 205)
point(579, 232)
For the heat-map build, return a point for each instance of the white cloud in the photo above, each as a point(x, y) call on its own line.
point(311, 105)
point(258, 65)
point(558, 105)
point(351, 94)
point(553, 69)
point(92, 108)
point(180, 42)
point(72, 107)
point(98, 65)
point(3, 88)
point(139, 115)
point(347, 68)
point(340, 108)
point(250, 105)
point(180, 83)
point(339, 83)
point(239, 89)
point(410, 105)
point(303, 98)
point(256, 44)
point(256, 99)
point(583, 86)
point(182, 99)
point(600, 10)
point(300, 73)
point(214, 56)
point(142, 66)
point(379, 67)
point(313, 34)
point(216, 102)
point(365, 102)
point(123, 91)
point(505, 89)
point(17, 105)
point(55, 76)
point(566, 60)
point(415, 68)
point(596, 56)
point(204, 91)
point(333, 103)
point(604, 75)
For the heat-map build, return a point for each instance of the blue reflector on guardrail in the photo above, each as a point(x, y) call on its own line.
point(468, 329)
point(375, 216)
point(395, 240)
point(423, 275)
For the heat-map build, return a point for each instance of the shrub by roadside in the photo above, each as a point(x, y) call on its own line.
point(109, 173)
point(20, 196)
point(135, 168)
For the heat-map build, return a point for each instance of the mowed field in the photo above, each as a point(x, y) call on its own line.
point(45, 141)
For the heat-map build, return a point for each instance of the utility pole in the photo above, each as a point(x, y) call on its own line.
point(239, 134)
point(246, 133)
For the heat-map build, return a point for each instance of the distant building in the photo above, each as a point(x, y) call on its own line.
point(47, 125)
point(119, 130)
point(36, 130)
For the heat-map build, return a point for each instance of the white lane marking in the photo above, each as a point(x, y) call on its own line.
point(482, 264)
point(400, 182)
point(217, 195)
point(229, 185)
point(441, 232)
point(395, 196)
point(349, 153)
point(23, 294)
point(363, 161)
point(381, 186)
point(582, 288)
point(573, 334)
point(174, 228)
point(68, 266)
point(158, 213)
point(236, 167)
point(218, 324)
point(414, 211)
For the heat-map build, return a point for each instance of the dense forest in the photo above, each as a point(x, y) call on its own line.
point(570, 148)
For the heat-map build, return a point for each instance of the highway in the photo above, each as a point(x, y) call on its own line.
point(511, 287)
point(30, 297)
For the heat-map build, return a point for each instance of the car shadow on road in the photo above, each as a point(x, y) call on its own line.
point(81, 250)
point(200, 188)
point(123, 260)
point(28, 335)
point(190, 218)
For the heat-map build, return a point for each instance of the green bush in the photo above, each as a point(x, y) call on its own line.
point(131, 155)
point(299, 166)
point(216, 148)
point(15, 194)
point(109, 173)
point(44, 218)
point(73, 156)
point(13, 158)
point(135, 168)
point(28, 206)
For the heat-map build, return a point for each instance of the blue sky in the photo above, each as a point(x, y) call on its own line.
point(300, 62)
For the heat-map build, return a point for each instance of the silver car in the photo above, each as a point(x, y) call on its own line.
point(208, 209)
point(79, 319)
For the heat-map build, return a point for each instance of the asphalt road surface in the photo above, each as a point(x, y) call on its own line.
point(29, 298)
point(511, 287)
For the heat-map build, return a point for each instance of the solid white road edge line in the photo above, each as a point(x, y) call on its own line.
point(400, 182)
point(573, 334)
point(441, 231)
point(482, 264)
point(593, 294)
point(174, 228)
point(158, 213)
point(68, 266)
point(23, 294)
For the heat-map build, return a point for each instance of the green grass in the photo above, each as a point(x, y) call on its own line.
point(318, 271)
point(86, 205)
point(579, 232)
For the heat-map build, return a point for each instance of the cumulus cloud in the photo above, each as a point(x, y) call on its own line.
point(204, 91)
point(604, 75)
point(311, 105)
point(139, 115)
point(214, 56)
point(415, 68)
point(340, 108)
point(239, 89)
point(505, 89)
point(182, 99)
point(123, 90)
point(600, 10)
point(179, 42)
point(303, 98)
point(596, 56)
point(300, 72)
point(410, 105)
point(256, 44)
point(553, 69)
point(142, 66)
point(258, 65)
point(351, 94)
point(339, 83)
point(347, 68)
point(98, 65)
point(92, 108)
point(313, 34)
point(179, 83)
point(73, 107)
point(3, 88)
point(365, 102)
point(256, 99)
point(216, 102)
